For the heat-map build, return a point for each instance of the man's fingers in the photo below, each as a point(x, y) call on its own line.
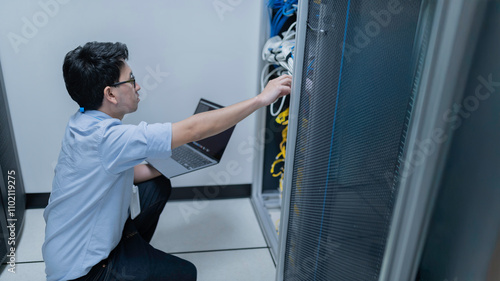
point(285, 90)
point(286, 80)
point(282, 84)
point(283, 80)
point(284, 77)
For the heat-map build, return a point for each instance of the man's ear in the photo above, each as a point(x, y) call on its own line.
point(109, 95)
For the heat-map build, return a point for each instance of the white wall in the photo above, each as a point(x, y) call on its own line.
point(180, 51)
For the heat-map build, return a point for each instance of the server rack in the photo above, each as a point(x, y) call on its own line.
point(12, 182)
point(367, 208)
point(353, 99)
point(266, 198)
point(361, 210)
point(452, 43)
point(352, 122)
point(462, 241)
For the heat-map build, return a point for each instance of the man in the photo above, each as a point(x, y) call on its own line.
point(89, 232)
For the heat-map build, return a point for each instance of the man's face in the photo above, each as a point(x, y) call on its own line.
point(126, 94)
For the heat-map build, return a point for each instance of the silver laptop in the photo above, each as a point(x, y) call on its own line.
point(195, 155)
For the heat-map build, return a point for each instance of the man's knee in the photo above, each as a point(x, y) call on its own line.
point(186, 271)
point(191, 271)
point(164, 187)
point(155, 192)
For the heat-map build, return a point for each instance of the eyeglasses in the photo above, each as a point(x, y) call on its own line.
point(132, 80)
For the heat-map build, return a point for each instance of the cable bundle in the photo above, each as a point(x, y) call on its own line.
point(278, 54)
point(282, 119)
point(278, 50)
point(284, 9)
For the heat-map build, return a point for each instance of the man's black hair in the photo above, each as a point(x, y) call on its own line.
point(89, 69)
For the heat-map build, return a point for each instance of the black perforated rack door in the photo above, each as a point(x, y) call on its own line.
point(355, 103)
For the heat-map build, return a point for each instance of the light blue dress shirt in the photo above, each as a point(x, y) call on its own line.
point(92, 187)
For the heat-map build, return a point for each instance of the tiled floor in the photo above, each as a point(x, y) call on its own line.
point(221, 237)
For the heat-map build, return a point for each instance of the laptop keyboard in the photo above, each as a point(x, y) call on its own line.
point(188, 158)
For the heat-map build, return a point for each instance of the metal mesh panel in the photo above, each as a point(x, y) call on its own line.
point(354, 108)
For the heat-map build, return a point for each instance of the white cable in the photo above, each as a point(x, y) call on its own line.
point(288, 31)
point(264, 80)
point(263, 72)
point(271, 45)
point(271, 106)
point(277, 52)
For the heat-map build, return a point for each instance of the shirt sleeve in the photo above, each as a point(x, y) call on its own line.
point(125, 146)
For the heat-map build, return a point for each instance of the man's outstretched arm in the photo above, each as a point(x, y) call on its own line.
point(144, 172)
point(206, 124)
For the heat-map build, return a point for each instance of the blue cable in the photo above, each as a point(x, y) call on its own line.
point(331, 141)
point(309, 67)
point(289, 8)
point(284, 10)
point(275, 22)
point(280, 24)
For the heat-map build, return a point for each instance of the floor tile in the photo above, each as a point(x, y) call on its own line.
point(233, 265)
point(29, 245)
point(187, 226)
point(24, 272)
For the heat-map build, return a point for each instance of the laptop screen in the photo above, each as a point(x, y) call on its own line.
point(214, 145)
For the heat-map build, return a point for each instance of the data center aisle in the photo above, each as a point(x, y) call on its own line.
point(221, 237)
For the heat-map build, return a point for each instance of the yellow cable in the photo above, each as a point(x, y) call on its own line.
point(281, 119)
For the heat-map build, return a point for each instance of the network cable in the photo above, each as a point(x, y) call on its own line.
point(284, 9)
point(282, 119)
point(278, 53)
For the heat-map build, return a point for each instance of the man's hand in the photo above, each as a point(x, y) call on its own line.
point(275, 89)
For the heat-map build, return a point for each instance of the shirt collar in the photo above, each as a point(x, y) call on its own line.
point(97, 114)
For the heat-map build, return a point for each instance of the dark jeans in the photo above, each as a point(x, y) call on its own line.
point(134, 258)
